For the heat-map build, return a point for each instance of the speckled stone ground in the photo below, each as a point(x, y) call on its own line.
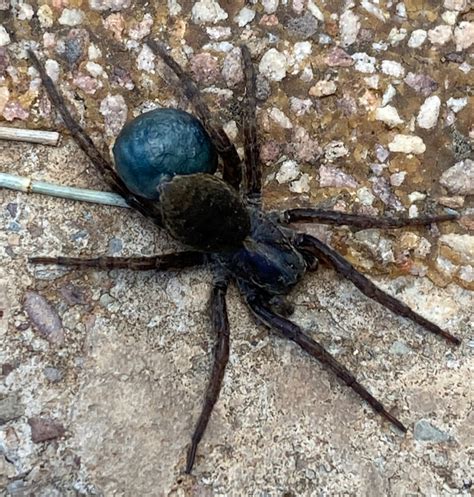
point(363, 107)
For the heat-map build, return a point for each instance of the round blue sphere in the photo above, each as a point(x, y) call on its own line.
point(160, 144)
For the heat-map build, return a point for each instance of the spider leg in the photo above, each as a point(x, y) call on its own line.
point(307, 243)
point(177, 260)
point(220, 326)
point(253, 171)
point(87, 145)
point(294, 333)
point(232, 173)
point(360, 222)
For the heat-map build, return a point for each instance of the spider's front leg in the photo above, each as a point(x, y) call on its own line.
point(336, 218)
point(317, 248)
point(294, 333)
point(220, 326)
point(178, 260)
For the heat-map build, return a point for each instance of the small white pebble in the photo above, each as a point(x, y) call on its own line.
point(393, 68)
point(373, 9)
point(429, 112)
point(270, 6)
point(25, 12)
point(301, 185)
point(413, 211)
point(417, 38)
point(396, 179)
point(4, 37)
point(389, 115)
point(407, 144)
point(45, 16)
point(217, 33)
point(245, 16)
point(416, 196)
point(459, 5)
point(396, 36)
point(300, 106)
point(52, 69)
point(449, 17)
point(231, 130)
point(464, 35)
point(373, 81)
point(208, 12)
point(146, 59)
point(457, 104)
point(94, 52)
point(365, 196)
point(388, 95)
point(273, 65)
point(440, 35)
point(363, 62)
point(335, 149)
point(71, 17)
point(401, 10)
point(289, 171)
point(349, 26)
point(315, 10)
point(323, 89)
point(94, 69)
point(280, 118)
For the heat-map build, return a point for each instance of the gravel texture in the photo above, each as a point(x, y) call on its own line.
point(363, 107)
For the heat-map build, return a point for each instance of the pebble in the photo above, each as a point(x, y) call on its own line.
point(232, 70)
point(44, 317)
point(146, 59)
point(408, 144)
point(207, 12)
point(337, 57)
point(45, 16)
point(333, 177)
point(174, 8)
point(459, 179)
point(449, 17)
point(270, 6)
point(115, 23)
point(440, 35)
point(349, 26)
point(71, 17)
point(273, 65)
point(388, 95)
point(25, 12)
point(417, 38)
point(323, 89)
point(280, 118)
point(365, 196)
point(14, 110)
point(389, 115)
point(457, 104)
point(44, 429)
point(52, 69)
point(94, 69)
point(245, 16)
point(396, 36)
point(86, 83)
point(269, 151)
point(300, 106)
point(304, 148)
point(204, 68)
point(11, 408)
point(421, 83)
point(334, 150)
point(381, 152)
point(364, 62)
point(114, 109)
point(396, 179)
point(54, 375)
point(382, 191)
point(4, 37)
point(289, 171)
point(142, 29)
point(301, 185)
point(424, 431)
point(429, 112)
point(114, 5)
point(303, 27)
point(315, 10)
point(459, 5)
point(219, 32)
point(464, 35)
point(374, 10)
point(393, 68)
point(463, 245)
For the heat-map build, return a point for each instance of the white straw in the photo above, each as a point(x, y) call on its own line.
point(28, 185)
point(29, 135)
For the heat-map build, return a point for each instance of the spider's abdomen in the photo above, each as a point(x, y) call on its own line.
point(160, 144)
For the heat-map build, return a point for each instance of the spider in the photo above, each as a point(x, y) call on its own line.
point(222, 223)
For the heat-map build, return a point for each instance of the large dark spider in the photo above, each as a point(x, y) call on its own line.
point(225, 227)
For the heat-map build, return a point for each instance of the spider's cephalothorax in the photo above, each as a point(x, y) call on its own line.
point(222, 221)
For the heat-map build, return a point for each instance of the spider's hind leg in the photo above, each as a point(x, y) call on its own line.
point(311, 245)
point(220, 326)
point(293, 332)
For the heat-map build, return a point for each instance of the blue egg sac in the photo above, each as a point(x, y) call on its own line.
point(160, 144)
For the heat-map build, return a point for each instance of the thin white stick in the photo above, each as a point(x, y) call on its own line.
point(29, 135)
point(27, 185)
